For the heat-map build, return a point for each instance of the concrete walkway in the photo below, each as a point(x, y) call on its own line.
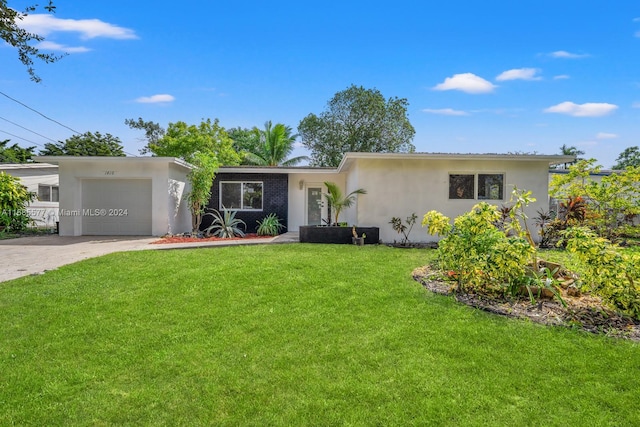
point(35, 255)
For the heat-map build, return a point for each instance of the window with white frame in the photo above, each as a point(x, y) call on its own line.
point(480, 186)
point(48, 193)
point(242, 196)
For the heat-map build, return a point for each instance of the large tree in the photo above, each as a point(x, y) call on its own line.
point(629, 157)
point(357, 120)
point(20, 39)
point(15, 153)
point(275, 144)
point(87, 144)
point(153, 132)
point(185, 141)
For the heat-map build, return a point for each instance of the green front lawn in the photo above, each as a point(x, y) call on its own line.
point(289, 335)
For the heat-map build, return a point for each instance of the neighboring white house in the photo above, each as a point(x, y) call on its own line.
point(122, 195)
point(41, 179)
point(152, 190)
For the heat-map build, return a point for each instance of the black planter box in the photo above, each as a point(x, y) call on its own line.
point(340, 235)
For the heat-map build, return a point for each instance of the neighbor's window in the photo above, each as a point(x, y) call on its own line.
point(490, 186)
point(48, 193)
point(461, 186)
point(241, 195)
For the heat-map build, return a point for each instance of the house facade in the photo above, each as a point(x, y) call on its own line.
point(122, 196)
point(147, 195)
point(397, 185)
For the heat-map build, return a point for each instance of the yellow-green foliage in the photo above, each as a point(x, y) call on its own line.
point(476, 251)
point(609, 273)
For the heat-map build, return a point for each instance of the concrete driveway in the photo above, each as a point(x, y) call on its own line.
point(34, 255)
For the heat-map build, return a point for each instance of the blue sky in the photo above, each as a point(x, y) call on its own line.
point(480, 77)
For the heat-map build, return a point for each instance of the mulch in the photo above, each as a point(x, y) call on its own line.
point(585, 312)
point(185, 239)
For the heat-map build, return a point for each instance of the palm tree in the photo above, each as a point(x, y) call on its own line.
point(337, 201)
point(276, 143)
point(570, 151)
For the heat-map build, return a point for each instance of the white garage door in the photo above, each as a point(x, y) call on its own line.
point(116, 207)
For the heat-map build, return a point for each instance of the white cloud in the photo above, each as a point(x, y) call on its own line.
point(568, 55)
point(44, 24)
point(466, 82)
point(519, 74)
point(590, 109)
point(561, 77)
point(48, 45)
point(605, 135)
point(155, 99)
point(446, 112)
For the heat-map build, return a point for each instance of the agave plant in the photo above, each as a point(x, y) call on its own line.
point(270, 225)
point(224, 225)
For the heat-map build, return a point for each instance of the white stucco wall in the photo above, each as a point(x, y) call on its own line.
point(298, 196)
point(400, 187)
point(168, 187)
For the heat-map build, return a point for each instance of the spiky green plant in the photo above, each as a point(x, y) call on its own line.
point(270, 225)
point(224, 225)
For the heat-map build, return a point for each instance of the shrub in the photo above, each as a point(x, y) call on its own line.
point(14, 198)
point(479, 255)
point(270, 225)
point(224, 225)
point(609, 273)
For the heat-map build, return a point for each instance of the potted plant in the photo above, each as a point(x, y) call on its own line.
point(358, 241)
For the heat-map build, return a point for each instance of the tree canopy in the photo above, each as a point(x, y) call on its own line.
point(15, 153)
point(185, 141)
point(357, 120)
point(153, 132)
point(275, 144)
point(21, 39)
point(87, 144)
point(628, 158)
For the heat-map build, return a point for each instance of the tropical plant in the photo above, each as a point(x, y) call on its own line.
point(479, 254)
point(270, 225)
point(14, 198)
point(274, 146)
point(570, 151)
point(405, 230)
point(609, 273)
point(337, 201)
point(606, 204)
point(224, 225)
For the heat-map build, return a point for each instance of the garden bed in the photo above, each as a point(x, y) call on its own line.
point(192, 239)
point(583, 312)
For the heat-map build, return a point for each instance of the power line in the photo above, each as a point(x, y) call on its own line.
point(38, 112)
point(24, 139)
point(33, 132)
